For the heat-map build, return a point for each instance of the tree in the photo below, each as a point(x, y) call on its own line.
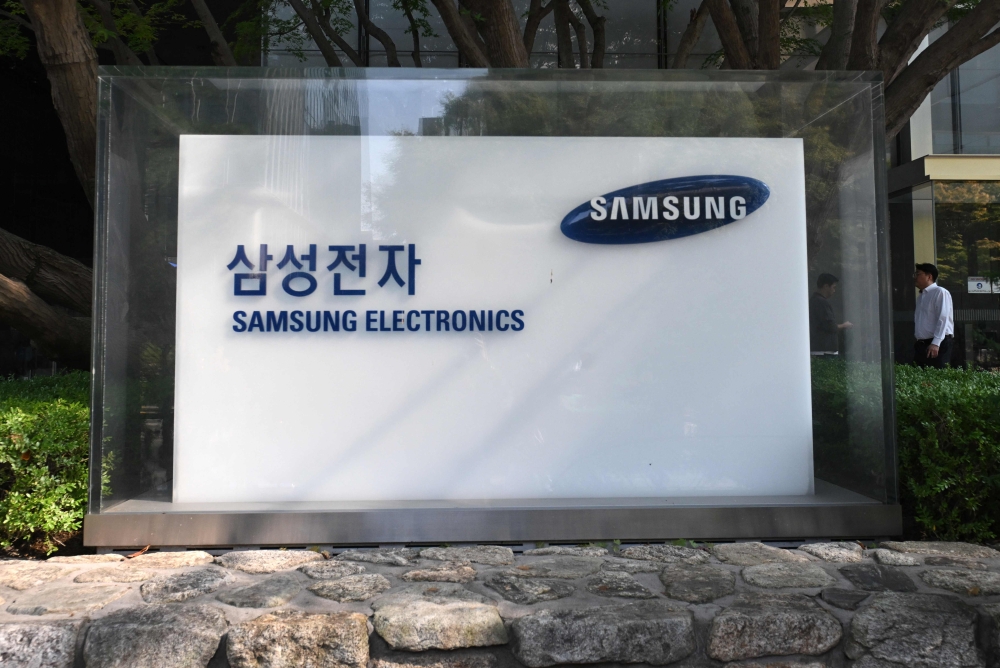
point(754, 34)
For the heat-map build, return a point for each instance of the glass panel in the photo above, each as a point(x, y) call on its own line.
point(967, 226)
point(964, 107)
point(145, 113)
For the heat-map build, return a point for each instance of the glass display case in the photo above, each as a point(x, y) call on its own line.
point(420, 306)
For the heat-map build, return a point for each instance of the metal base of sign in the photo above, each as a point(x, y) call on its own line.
point(510, 525)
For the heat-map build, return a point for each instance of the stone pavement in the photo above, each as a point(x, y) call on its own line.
point(920, 604)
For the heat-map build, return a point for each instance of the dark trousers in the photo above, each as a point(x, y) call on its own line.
point(920, 357)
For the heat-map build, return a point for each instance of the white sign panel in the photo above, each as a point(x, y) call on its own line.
point(490, 318)
point(979, 285)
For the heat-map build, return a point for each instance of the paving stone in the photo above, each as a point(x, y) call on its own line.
point(182, 586)
point(787, 575)
point(450, 660)
point(114, 574)
point(109, 557)
point(653, 632)
point(290, 639)
point(528, 591)
point(396, 556)
point(841, 552)
point(965, 582)
point(753, 554)
point(964, 562)
point(447, 572)
point(942, 548)
point(583, 551)
point(697, 584)
point(422, 618)
point(491, 555)
point(23, 575)
point(845, 599)
point(270, 593)
point(64, 600)
point(924, 630)
point(352, 587)
point(893, 558)
point(876, 577)
point(171, 559)
point(668, 554)
point(758, 625)
point(260, 562)
point(331, 570)
point(631, 566)
point(623, 585)
point(567, 568)
point(155, 636)
point(36, 645)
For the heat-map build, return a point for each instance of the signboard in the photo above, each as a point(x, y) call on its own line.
point(444, 318)
point(979, 285)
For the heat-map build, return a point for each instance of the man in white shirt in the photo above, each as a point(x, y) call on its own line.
point(934, 322)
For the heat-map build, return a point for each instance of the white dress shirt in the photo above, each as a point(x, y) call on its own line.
point(933, 318)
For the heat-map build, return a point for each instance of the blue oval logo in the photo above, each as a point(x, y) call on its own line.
point(667, 209)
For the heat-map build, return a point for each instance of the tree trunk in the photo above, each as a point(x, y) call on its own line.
point(965, 40)
point(323, 18)
point(581, 38)
point(903, 36)
point(55, 278)
point(316, 32)
point(71, 66)
point(464, 38)
point(221, 52)
point(597, 26)
point(864, 41)
point(123, 54)
point(415, 30)
point(536, 12)
point(60, 336)
point(382, 36)
point(769, 34)
point(729, 34)
point(501, 32)
point(692, 33)
point(564, 39)
point(745, 12)
point(838, 46)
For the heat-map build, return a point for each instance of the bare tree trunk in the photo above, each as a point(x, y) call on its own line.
point(54, 277)
point(769, 34)
point(965, 40)
point(71, 65)
point(564, 40)
point(597, 26)
point(864, 41)
point(501, 32)
point(903, 36)
point(746, 14)
point(464, 38)
point(323, 18)
point(692, 33)
point(838, 46)
point(737, 56)
point(382, 36)
point(536, 12)
point(221, 52)
point(316, 32)
point(123, 54)
point(60, 336)
point(581, 37)
point(416, 36)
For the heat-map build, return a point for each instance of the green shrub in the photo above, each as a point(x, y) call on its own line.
point(44, 425)
point(948, 426)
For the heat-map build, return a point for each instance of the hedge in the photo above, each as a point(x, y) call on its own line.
point(44, 425)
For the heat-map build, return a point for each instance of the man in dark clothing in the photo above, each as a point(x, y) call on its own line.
point(823, 327)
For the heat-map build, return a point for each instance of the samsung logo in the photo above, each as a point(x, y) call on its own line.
point(666, 209)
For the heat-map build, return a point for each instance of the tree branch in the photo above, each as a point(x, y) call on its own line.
point(564, 41)
point(597, 27)
point(17, 19)
point(382, 36)
point(838, 46)
point(221, 52)
point(769, 34)
point(729, 34)
point(460, 34)
point(60, 336)
point(316, 32)
point(864, 44)
point(323, 18)
point(903, 36)
point(54, 277)
point(123, 54)
point(499, 27)
point(746, 14)
point(691, 35)
point(581, 38)
point(415, 30)
point(536, 12)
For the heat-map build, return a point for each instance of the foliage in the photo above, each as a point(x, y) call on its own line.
point(13, 39)
point(949, 451)
point(44, 427)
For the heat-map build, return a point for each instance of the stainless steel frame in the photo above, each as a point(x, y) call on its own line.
point(465, 525)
